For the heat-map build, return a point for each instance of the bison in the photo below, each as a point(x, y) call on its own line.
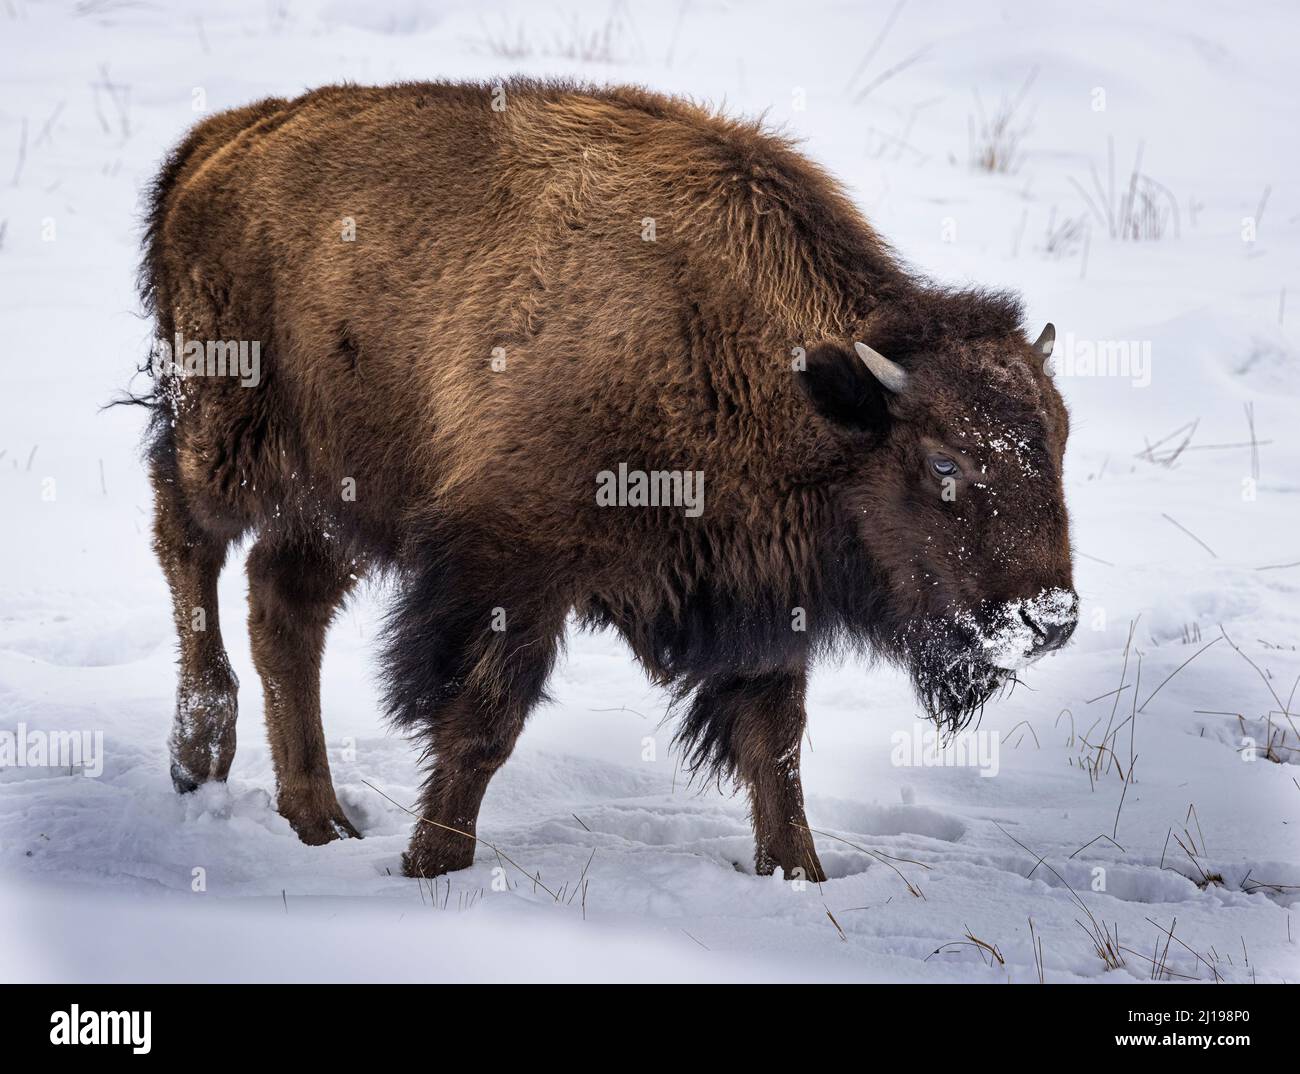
point(535, 350)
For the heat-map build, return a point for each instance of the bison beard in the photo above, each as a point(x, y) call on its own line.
point(951, 680)
point(491, 331)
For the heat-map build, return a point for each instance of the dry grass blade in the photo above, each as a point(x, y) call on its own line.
point(1170, 454)
point(1108, 693)
point(1199, 958)
point(1154, 962)
point(865, 62)
point(1175, 672)
point(1193, 815)
point(996, 148)
point(1206, 878)
point(1026, 723)
point(581, 885)
point(1264, 678)
point(1122, 795)
point(1189, 533)
point(889, 73)
point(884, 859)
point(697, 941)
point(1251, 886)
point(992, 949)
point(1104, 749)
point(984, 948)
point(1036, 942)
point(1106, 946)
point(1091, 841)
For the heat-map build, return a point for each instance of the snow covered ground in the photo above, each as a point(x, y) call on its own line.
point(1158, 807)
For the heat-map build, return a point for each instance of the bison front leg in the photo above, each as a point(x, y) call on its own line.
point(755, 725)
point(470, 738)
point(465, 666)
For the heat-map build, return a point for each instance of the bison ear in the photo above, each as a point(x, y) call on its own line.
point(842, 390)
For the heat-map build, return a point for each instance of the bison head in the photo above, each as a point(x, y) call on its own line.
point(952, 486)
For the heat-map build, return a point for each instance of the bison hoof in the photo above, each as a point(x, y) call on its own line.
point(317, 831)
point(815, 873)
point(804, 867)
point(182, 780)
point(313, 811)
point(424, 862)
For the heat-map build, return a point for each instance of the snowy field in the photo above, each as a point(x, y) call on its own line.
point(994, 143)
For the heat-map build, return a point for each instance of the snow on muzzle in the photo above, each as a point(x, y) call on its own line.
point(1018, 632)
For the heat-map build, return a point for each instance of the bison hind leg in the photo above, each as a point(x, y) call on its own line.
point(202, 741)
point(295, 587)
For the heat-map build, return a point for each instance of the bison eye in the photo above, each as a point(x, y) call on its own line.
point(942, 466)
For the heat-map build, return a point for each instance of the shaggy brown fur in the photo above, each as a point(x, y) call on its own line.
point(503, 327)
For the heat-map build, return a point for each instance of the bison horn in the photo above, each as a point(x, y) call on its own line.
point(1044, 343)
point(891, 375)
